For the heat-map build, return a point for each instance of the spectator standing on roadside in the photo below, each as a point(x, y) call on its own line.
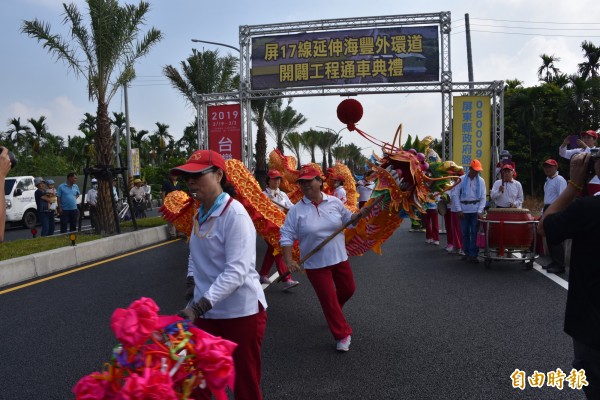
point(5, 167)
point(138, 195)
point(91, 199)
point(574, 217)
point(67, 194)
point(42, 202)
point(469, 199)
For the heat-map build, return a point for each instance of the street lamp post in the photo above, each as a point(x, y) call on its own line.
point(246, 154)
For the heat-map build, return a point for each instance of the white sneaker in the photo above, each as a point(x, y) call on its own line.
point(428, 240)
point(449, 249)
point(344, 344)
point(461, 252)
point(289, 284)
point(264, 279)
point(436, 242)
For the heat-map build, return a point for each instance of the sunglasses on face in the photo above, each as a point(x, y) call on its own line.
point(198, 175)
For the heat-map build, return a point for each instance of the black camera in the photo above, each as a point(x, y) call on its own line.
point(11, 156)
point(595, 155)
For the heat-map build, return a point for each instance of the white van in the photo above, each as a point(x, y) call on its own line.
point(19, 192)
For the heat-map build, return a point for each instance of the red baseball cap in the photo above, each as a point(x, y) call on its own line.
point(476, 165)
point(551, 162)
point(309, 172)
point(200, 161)
point(337, 178)
point(273, 173)
point(508, 166)
point(591, 133)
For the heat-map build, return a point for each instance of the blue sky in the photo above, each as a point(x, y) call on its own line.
point(32, 83)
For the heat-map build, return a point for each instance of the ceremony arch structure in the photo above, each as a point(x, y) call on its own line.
point(443, 84)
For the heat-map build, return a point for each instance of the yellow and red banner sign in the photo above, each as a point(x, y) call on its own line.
point(471, 133)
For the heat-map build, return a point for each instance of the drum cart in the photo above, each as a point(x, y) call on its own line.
point(504, 248)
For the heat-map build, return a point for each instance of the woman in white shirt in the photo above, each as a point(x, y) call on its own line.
point(282, 201)
point(339, 191)
point(310, 221)
point(228, 299)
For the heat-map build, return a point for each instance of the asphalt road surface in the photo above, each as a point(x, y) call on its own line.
point(426, 326)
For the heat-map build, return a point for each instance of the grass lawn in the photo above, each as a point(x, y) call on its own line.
point(25, 247)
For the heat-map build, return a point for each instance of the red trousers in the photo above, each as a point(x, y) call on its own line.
point(265, 269)
point(432, 227)
point(456, 231)
point(247, 333)
point(334, 286)
point(449, 232)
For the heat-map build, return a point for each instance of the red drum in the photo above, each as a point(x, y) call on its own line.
point(506, 235)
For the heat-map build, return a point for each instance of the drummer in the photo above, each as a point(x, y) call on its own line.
point(507, 192)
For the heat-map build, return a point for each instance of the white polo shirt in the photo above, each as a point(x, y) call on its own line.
point(223, 263)
point(310, 224)
point(553, 187)
point(513, 193)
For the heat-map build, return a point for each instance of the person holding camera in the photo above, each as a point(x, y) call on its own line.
point(5, 166)
point(575, 217)
point(584, 144)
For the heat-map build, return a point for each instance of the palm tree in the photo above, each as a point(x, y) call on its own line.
point(323, 144)
point(87, 126)
point(20, 132)
point(189, 140)
point(309, 141)
point(592, 63)
point(282, 121)
point(204, 72)
point(40, 132)
point(513, 84)
point(163, 135)
point(293, 141)
point(548, 68)
point(105, 55)
point(259, 110)
point(334, 140)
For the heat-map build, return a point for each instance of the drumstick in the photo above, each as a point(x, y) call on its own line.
point(329, 238)
point(280, 205)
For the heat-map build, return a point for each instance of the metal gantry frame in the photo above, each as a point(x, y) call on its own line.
point(445, 86)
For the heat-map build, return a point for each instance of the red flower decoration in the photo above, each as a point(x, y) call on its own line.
point(90, 388)
point(134, 325)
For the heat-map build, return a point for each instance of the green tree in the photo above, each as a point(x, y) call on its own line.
point(39, 133)
point(309, 141)
point(293, 141)
point(547, 70)
point(163, 136)
point(17, 134)
point(204, 72)
point(259, 110)
point(105, 55)
point(282, 121)
point(592, 60)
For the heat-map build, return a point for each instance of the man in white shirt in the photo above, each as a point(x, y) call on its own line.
point(588, 140)
point(553, 187)
point(469, 198)
point(507, 192)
